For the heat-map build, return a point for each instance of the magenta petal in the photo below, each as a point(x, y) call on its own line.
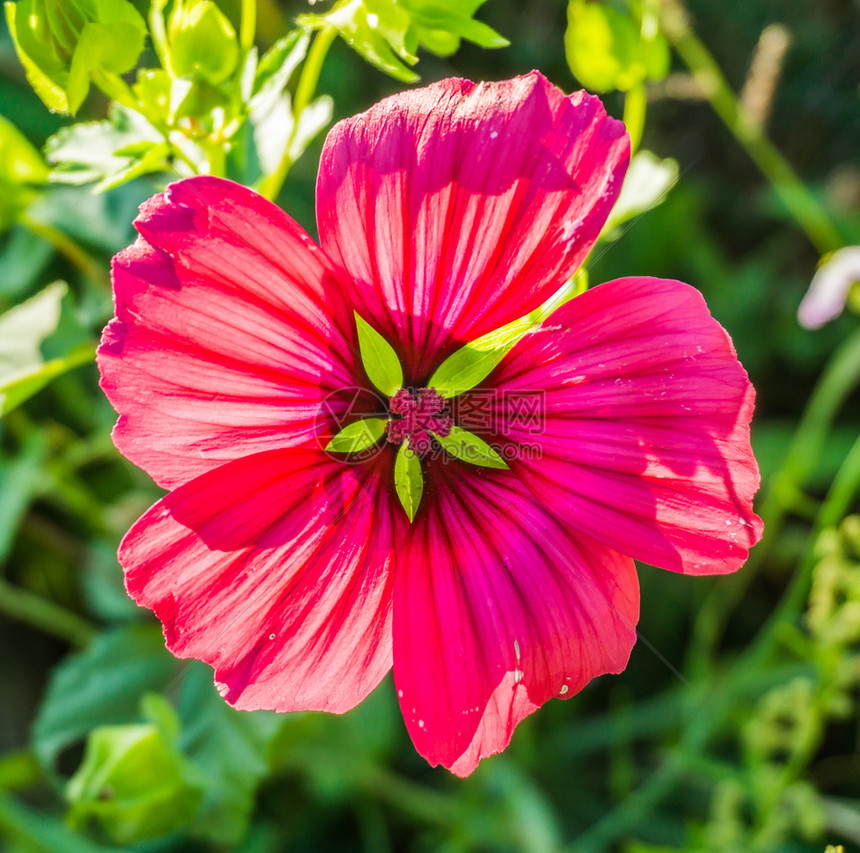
point(498, 608)
point(275, 570)
point(460, 207)
point(229, 332)
point(643, 440)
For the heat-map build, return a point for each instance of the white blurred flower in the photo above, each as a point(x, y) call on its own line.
point(828, 291)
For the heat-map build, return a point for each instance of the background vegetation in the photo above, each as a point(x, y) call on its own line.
point(735, 726)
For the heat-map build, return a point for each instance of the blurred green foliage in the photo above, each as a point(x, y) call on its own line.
point(108, 742)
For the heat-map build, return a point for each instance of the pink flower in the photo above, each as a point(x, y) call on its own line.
point(444, 213)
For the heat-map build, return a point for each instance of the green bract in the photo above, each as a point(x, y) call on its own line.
point(608, 50)
point(65, 44)
point(408, 479)
point(475, 361)
point(358, 436)
point(471, 448)
point(379, 359)
point(202, 41)
point(388, 33)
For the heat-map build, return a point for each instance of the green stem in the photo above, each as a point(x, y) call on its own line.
point(802, 205)
point(158, 32)
point(635, 106)
point(270, 187)
point(46, 615)
point(69, 249)
point(248, 26)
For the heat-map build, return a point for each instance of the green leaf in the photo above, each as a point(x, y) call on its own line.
point(379, 359)
point(202, 41)
point(100, 686)
point(20, 480)
point(388, 33)
point(23, 331)
point(475, 361)
point(24, 327)
point(230, 748)
point(646, 184)
point(606, 50)
point(408, 479)
point(471, 448)
point(277, 65)
point(358, 436)
point(18, 387)
point(111, 152)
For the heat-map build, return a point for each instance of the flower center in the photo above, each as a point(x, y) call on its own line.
point(421, 417)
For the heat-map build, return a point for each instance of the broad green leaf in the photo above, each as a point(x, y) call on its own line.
point(471, 448)
point(606, 50)
point(408, 479)
point(358, 436)
point(379, 359)
point(202, 41)
point(646, 184)
point(100, 686)
point(230, 748)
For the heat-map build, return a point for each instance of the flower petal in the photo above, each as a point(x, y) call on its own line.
point(230, 331)
point(274, 570)
point(460, 207)
point(629, 416)
point(498, 608)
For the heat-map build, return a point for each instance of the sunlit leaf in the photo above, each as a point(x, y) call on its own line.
point(389, 33)
point(379, 359)
point(471, 448)
point(408, 479)
point(18, 387)
point(111, 152)
point(606, 50)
